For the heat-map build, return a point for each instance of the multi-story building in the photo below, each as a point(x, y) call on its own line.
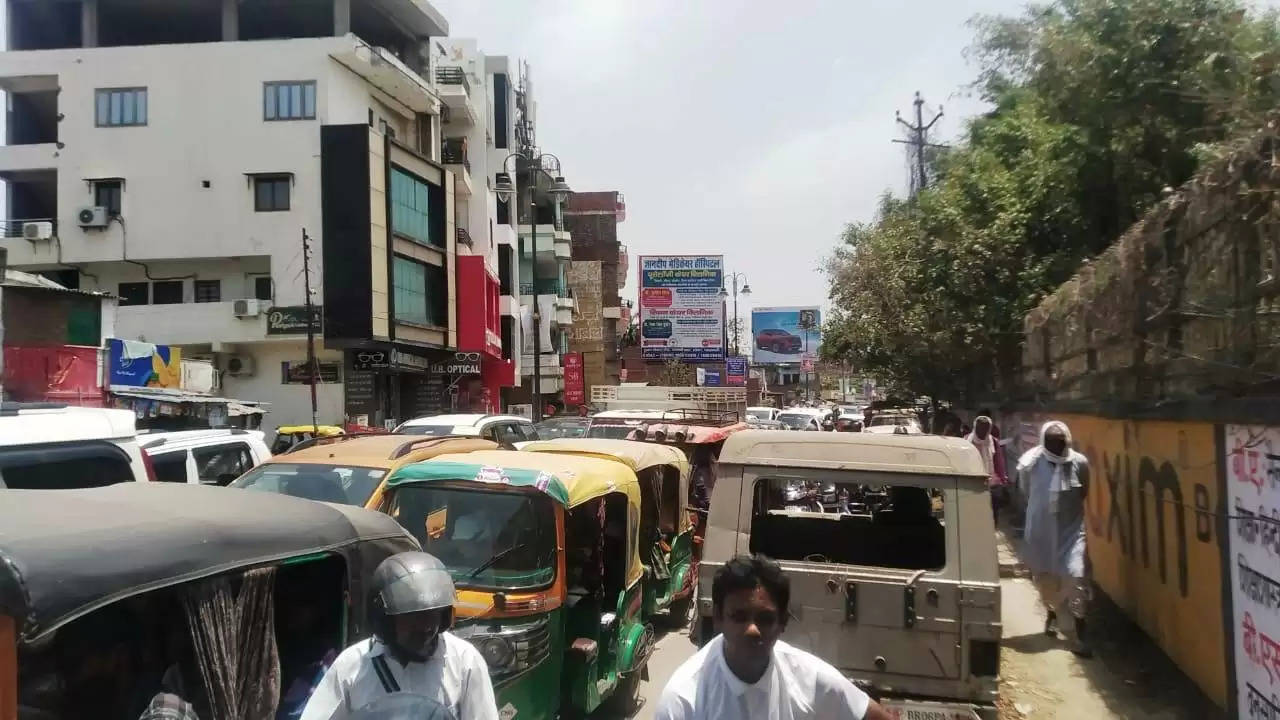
point(597, 274)
point(175, 154)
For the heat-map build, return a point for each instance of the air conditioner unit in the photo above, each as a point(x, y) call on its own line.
point(240, 365)
point(247, 308)
point(93, 217)
point(37, 230)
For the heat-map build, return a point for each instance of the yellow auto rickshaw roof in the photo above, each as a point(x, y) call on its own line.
point(637, 455)
point(319, 430)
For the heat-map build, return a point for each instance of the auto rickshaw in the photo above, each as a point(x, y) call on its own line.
point(289, 435)
point(666, 525)
point(544, 551)
point(145, 586)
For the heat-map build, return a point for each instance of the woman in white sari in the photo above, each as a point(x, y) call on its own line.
point(1055, 480)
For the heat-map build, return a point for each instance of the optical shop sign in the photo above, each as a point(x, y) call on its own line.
point(1253, 486)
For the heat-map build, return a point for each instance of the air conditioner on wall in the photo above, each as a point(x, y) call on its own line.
point(92, 217)
point(239, 365)
point(37, 230)
point(247, 308)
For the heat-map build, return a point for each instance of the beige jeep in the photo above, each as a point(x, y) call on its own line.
point(899, 587)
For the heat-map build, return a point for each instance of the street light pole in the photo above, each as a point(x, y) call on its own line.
point(737, 319)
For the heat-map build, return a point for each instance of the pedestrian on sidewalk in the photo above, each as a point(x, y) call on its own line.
point(984, 438)
point(1054, 478)
point(746, 672)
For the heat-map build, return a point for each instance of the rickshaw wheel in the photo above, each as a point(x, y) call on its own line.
point(626, 696)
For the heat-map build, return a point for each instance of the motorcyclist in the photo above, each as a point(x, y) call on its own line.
point(412, 666)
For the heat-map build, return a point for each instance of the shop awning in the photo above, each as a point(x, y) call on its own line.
point(170, 395)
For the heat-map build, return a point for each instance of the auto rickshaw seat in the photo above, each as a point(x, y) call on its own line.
point(585, 647)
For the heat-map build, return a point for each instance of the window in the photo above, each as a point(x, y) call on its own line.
point(271, 193)
point(500, 110)
point(134, 293)
point(109, 194)
point(437, 287)
point(262, 287)
point(120, 107)
point(409, 207)
point(220, 464)
point(167, 292)
point(170, 467)
point(60, 466)
point(289, 100)
point(410, 284)
point(208, 291)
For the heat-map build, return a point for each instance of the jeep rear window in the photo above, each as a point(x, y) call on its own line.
point(63, 466)
point(890, 526)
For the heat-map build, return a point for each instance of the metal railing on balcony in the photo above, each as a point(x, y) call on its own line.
point(46, 228)
point(453, 151)
point(464, 237)
point(452, 76)
point(546, 287)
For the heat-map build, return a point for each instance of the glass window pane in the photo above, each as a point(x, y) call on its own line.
point(140, 112)
point(295, 100)
point(269, 100)
point(115, 108)
point(281, 194)
point(309, 100)
point(282, 102)
point(104, 102)
point(262, 199)
point(126, 108)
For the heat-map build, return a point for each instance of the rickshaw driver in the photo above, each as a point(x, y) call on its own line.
point(412, 666)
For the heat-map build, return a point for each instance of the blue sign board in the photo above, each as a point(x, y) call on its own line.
point(143, 365)
point(681, 311)
point(735, 370)
point(712, 378)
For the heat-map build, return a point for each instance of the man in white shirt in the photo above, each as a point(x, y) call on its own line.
point(412, 667)
point(746, 672)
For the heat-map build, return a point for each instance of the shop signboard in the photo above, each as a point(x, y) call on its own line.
point(292, 320)
point(574, 385)
point(461, 363)
point(786, 335)
point(370, 360)
point(735, 370)
point(711, 378)
point(295, 372)
point(140, 364)
point(1253, 491)
point(681, 312)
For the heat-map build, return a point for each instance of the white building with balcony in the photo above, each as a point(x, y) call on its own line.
point(171, 153)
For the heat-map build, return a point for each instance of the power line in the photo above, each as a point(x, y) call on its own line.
point(918, 141)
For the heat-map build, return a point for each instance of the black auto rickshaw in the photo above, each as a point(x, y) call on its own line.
point(224, 598)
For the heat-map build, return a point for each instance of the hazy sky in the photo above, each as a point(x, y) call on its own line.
point(749, 128)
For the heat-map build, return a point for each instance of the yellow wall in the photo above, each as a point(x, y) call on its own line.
point(1178, 603)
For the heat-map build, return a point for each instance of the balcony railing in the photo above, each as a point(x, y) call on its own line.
point(464, 237)
point(453, 151)
point(452, 76)
point(13, 228)
point(551, 287)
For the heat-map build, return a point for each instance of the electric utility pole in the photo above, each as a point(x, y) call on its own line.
point(917, 139)
point(312, 368)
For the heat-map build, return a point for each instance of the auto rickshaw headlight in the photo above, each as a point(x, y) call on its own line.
point(509, 650)
point(497, 652)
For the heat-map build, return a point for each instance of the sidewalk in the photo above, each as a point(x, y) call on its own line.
point(1127, 678)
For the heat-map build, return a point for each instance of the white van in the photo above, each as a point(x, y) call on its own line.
point(204, 457)
point(49, 446)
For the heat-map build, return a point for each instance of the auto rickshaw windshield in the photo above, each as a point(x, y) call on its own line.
point(488, 540)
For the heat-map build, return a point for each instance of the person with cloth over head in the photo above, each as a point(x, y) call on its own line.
point(412, 667)
point(1054, 479)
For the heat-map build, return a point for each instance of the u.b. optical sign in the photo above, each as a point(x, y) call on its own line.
point(462, 363)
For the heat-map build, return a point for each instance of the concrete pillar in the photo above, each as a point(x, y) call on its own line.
point(230, 20)
point(89, 23)
point(341, 17)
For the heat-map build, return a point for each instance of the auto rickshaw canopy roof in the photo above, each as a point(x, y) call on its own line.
point(317, 430)
point(65, 553)
point(570, 480)
point(639, 456)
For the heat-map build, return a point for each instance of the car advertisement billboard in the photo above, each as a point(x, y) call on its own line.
point(681, 312)
point(785, 335)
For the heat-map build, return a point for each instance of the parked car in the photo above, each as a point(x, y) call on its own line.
point(502, 429)
point(562, 427)
point(348, 469)
point(762, 413)
point(53, 447)
point(779, 341)
point(206, 457)
point(289, 435)
point(801, 419)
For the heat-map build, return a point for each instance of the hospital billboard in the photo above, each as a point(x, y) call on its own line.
point(681, 312)
point(785, 335)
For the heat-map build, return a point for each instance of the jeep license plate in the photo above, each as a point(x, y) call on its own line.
point(910, 710)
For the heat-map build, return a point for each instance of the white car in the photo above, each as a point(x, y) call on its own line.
point(801, 418)
point(52, 447)
point(510, 430)
point(762, 413)
point(204, 457)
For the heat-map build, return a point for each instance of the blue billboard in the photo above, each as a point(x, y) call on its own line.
point(785, 335)
point(681, 311)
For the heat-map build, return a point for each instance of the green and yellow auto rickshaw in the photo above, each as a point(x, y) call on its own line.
point(666, 525)
point(544, 551)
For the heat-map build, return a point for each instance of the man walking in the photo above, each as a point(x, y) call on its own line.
point(1055, 480)
point(987, 442)
point(746, 672)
